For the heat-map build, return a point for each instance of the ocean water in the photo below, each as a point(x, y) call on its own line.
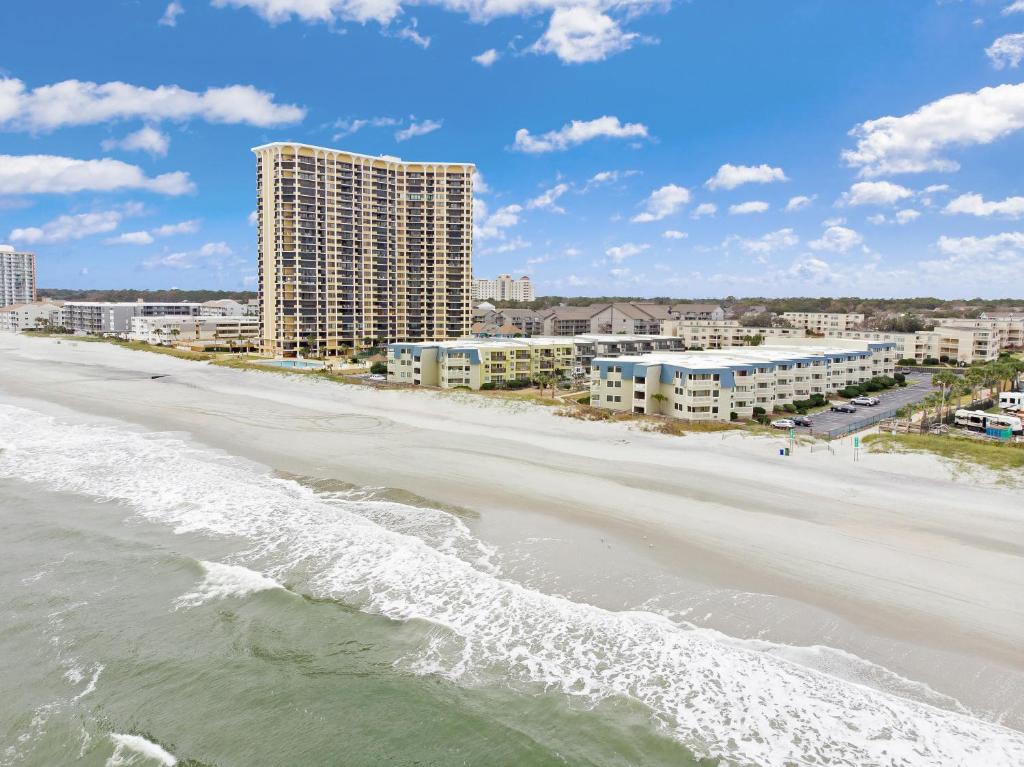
point(164, 603)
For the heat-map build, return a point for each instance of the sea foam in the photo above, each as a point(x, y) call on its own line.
point(136, 750)
point(222, 581)
point(717, 698)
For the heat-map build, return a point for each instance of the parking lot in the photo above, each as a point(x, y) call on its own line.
point(918, 387)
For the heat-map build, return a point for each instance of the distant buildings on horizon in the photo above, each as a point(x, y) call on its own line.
point(503, 288)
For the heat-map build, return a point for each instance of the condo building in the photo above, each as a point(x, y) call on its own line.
point(357, 251)
point(17, 278)
point(115, 318)
point(712, 385)
point(503, 288)
point(169, 331)
point(18, 317)
point(823, 323)
point(720, 334)
point(474, 362)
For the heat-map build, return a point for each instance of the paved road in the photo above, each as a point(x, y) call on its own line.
point(919, 386)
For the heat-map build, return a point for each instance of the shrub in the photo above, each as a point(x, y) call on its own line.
point(944, 359)
point(929, 361)
point(759, 411)
point(900, 379)
point(488, 386)
point(872, 386)
point(789, 407)
point(851, 391)
point(906, 361)
point(379, 368)
point(734, 416)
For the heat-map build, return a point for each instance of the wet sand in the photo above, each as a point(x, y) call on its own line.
point(900, 560)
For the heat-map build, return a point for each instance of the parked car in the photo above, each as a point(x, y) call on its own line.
point(802, 420)
point(867, 401)
point(842, 408)
point(784, 423)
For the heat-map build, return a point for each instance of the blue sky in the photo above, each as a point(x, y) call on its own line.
point(642, 147)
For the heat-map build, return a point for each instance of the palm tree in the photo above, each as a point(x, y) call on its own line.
point(944, 381)
point(975, 379)
point(660, 399)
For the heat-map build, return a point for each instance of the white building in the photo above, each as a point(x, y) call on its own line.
point(114, 318)
point(503, 288)
point(713, 385)
point(17, 277)
point(824, 323)
point(721, 334)
point(19, 317)
point(167, 331)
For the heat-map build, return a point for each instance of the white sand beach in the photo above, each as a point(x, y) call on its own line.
point(893, 571)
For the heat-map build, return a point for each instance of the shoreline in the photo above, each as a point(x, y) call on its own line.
point(878, 556)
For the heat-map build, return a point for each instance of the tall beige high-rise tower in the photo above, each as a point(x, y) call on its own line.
point(356, 251)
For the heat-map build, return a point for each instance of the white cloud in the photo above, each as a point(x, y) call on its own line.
point(171, 14)
point(704, 209)
point(411, 34)
point(6, 248)
point(1007, 51)
point(768, 243)
point(663, 202)
point(744, 208)
point(418, 129)
point(73, 102)
point(1015, 7)
point(875, 193)
point(487, 58)
point(479, 185)
point(877, 219)
point(577, 132)
point(515, 244)
point(975, 205)
point(326, 11)
point(834, 221)
point(998, 257)
point(66, 228)
point(348, 127)
point(549, 197)
point(732, 176)
point(51, 174)
point(913, 143)
point(674, 234)
point(813, 270)
point(799, 203)
point(622, 274)
point(907, 215)
point(492, 226)
point(619, 253)
point(210, 254)
point(146, 139)
point(838, 239)
point(146, 238)
point(253, 218)
point(579, 34)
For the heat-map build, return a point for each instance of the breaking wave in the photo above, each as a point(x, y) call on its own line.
point(715, 697)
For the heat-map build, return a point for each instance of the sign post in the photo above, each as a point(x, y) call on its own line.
point(856, 448)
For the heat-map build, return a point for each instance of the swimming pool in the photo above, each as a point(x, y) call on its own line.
point(294, 364)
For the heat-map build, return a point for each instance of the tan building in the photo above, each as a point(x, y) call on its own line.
point(19, 317)
point(503, 288)
point(823, 323)
point(722, 334)
point(357, 251)
point(169, 331)
point(631, 318)
point(17, 277)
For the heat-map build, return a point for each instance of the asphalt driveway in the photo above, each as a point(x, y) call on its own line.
point(918, 387)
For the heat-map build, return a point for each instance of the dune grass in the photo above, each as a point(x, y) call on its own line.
point(993, 455)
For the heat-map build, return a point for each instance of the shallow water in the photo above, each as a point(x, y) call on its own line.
point(164, 601)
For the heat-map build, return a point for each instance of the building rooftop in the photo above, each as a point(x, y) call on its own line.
point(738, 356)
point(382, 157)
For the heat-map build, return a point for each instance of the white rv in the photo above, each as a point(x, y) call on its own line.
point(1011, 400)
point(979, 420)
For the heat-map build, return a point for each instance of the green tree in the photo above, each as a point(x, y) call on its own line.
point(944, 381)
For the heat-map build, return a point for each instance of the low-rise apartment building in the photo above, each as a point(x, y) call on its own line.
point(113, 318)
point(19, 317)
point(720, 334)
point(630, 318)
point(472, 363)
point(958, 341)
point(712, 385)
point(824, 323)
point(168, 331)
